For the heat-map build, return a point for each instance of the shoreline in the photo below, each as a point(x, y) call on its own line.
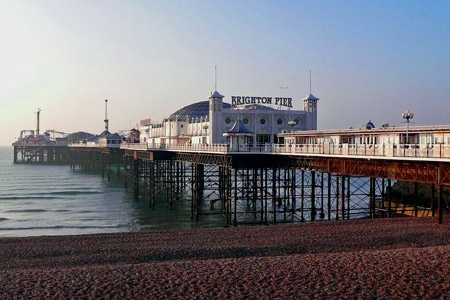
point(380, 258)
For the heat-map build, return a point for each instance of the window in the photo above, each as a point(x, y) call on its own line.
point(228, 120)
point(262, 121)
point(245, 120)
point(279, 121)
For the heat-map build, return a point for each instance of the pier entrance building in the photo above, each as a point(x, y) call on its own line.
point(209, 121)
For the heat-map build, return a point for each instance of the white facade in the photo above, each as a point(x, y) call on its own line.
point(413, 135)
point(206, 122)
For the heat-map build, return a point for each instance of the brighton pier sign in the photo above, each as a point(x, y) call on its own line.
point(244, 100)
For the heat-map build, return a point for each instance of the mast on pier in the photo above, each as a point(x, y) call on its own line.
point(106, 115)
point(38, 119)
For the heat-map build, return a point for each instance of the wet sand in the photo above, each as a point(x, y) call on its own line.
point(406, 258)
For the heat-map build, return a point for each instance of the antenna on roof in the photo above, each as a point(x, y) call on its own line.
point(106, 115)
point(215, 78)
point(310, 81)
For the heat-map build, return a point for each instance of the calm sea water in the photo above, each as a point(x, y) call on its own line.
point(55, 200)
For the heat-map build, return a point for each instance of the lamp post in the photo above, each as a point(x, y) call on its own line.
point(291, 125)
point(407, 115)
point(205, 128)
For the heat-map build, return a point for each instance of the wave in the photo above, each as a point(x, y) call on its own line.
point(40, 210)
point(64, 227)
point(49, 195)
point(3, 219)
point(86, 211)
point(74, 192)
point(26, 197)
point(25, 210)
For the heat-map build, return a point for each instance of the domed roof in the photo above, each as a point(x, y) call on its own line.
point(370, 125)
point(195, 110)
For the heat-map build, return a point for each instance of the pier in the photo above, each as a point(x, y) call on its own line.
point(267, 184)
point(308, 175)
point(40, 152)
point(274, 183)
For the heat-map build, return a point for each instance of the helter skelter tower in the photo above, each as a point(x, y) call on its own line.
point(38, 113)
point(106, 115)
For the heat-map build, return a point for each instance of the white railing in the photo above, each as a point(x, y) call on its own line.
point(415, 151)
point(220, 148)
point(83, 145)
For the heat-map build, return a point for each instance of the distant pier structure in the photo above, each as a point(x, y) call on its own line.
point(41, 152)
point(33, 147)
point(52, 146)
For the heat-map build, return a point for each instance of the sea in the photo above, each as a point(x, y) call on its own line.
point(38, 200)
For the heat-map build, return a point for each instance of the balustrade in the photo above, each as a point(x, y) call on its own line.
point(377, 150)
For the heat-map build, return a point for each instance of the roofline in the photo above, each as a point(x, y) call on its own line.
point(412, 129)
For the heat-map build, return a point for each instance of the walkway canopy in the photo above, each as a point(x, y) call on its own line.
point(239, 135)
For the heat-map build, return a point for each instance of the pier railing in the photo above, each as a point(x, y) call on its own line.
point(393, 150)
point(217, 148)
point(383, 150)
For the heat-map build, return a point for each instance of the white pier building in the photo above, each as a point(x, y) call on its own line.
point(214, 121)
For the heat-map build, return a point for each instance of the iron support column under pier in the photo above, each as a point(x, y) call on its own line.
point(415, 200)
point(302, 198)
point(372, 197)
point(136, 179)
point(313, 195)
point(198, 190)
point(329, 196)
point(343, 197)
point(440, 204)
point(274, 195)
point(389, 196)
point(337, 197)
point(433, 200)
point(348, 197)
point(322, 213)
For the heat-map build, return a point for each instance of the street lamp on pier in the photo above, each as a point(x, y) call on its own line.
point(291, 125)
point(205, 128)
point(407, 115)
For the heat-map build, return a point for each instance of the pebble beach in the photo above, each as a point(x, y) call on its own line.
point(397, 258)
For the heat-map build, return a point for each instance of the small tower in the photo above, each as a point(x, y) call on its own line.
point(215, 118)
point(310, 103)
point(310, 106)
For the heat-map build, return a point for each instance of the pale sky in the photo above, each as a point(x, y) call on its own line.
point(369, 59)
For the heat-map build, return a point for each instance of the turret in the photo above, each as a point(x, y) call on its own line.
point(310, 103)
point(215, 117)
point(310, 106)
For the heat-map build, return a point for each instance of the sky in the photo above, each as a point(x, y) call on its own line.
point(369, 59)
